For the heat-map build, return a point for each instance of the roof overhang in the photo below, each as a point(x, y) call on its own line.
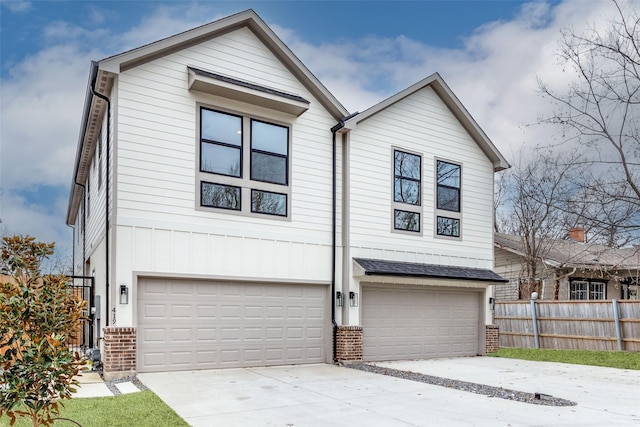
point(244, 91)
point(376, 267)
point(91, 125)
point(248, 19)
point(437, 83)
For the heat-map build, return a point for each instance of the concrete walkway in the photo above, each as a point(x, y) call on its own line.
point(92, 385)
point(321, 395)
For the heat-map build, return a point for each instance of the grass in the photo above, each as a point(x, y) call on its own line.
point(136, 409)
point(611, 359)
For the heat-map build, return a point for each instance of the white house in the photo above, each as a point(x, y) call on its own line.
point(233, 213)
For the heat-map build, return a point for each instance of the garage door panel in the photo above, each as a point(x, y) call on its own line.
point(207, 325)
point(411, 322)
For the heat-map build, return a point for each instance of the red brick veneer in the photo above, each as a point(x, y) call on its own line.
point(349, 343)
point(119, 358)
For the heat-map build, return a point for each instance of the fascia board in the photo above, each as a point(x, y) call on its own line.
point(249, 19)
point(455, 106)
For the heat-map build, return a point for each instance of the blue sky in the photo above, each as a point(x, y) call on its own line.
point(490, 52)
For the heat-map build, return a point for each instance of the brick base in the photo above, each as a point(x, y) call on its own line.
point(493, 337)
point(349, 343)
point(119, 357)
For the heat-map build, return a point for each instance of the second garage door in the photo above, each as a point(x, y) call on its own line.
point(413, 322)
point(190, 324)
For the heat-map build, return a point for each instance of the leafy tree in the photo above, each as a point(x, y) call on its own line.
point(38, 315)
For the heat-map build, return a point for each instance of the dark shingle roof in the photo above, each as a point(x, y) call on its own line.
point(248, 85)
point(395, 268)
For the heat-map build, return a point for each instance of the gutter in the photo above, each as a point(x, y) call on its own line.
point(106, 188)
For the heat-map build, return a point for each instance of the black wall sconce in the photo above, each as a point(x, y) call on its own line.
point(339, 299)
point(353, 299)
point(124, 294)
point(492, 303)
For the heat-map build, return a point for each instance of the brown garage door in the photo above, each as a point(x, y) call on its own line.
point(412, 322)
point(190, 324)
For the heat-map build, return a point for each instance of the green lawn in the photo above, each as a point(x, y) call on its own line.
point(135, 409)
point(611, 359)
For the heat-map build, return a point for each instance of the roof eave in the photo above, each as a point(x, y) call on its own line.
point(247, 18)
point(453, 104)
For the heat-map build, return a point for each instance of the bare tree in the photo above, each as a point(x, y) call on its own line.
point(533, 193)
point(600, 111)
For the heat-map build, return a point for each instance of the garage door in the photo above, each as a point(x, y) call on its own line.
point(187, 325)
point(409, 322)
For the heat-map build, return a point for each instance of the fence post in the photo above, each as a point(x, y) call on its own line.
point(534, 319)
point(616, 318)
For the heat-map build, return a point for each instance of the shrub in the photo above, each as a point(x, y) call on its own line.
point(38, 315)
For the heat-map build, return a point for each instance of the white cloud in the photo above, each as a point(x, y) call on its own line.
point(17, 6)
point(494, 75)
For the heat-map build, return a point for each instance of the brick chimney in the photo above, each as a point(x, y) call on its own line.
point(577, 233)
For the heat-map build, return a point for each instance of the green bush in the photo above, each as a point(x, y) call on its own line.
point(38, 316)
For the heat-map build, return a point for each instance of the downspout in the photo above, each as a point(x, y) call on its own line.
point(334, 230)
point(106, 188)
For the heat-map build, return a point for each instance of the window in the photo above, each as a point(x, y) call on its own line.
point(629, 289)
point(586, 290)
point(221, 143)
point(407, 191)
point(269, 152)
point(448, 201)
point(220, 196)
point(244, 164)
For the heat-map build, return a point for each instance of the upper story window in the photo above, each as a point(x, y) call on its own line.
point(221, 143)
point(448, 201)
point(407, 190)
point(244, 164)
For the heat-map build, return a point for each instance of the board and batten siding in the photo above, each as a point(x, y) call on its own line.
point(160, 229)
point(420, 123)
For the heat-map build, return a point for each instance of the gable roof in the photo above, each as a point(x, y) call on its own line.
point(572, 253)
point(103, 72)
point(437, 83)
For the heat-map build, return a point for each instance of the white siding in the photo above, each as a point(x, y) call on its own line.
point(160, 230)
point(420, 123)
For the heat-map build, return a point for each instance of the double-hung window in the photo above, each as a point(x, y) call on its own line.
point(448, 200)
point(244, 164)
point(407, 191)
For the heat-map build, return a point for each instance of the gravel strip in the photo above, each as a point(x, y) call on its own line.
point(491, 391)
point(111, 385)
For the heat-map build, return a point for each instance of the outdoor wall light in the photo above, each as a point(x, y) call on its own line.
point(339, 299)
point(124, 294)
point(492, 303)
point(353, 299)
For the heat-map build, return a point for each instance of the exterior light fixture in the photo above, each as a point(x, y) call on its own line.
point(492, 303)
point(353, 299)
point(339, 299)
point(124, 294)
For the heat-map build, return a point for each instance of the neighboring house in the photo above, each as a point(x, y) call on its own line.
point(233, 213)
point(569, 269)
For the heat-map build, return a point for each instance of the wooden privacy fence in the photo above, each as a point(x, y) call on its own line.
point(580, 325)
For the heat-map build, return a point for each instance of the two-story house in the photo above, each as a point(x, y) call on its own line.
point(234, 213)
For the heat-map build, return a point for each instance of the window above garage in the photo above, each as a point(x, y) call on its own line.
point(244, 91)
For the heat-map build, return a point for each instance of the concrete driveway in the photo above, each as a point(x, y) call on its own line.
point(323, 395)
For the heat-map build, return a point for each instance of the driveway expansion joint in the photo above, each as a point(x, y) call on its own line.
point(537, 398)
